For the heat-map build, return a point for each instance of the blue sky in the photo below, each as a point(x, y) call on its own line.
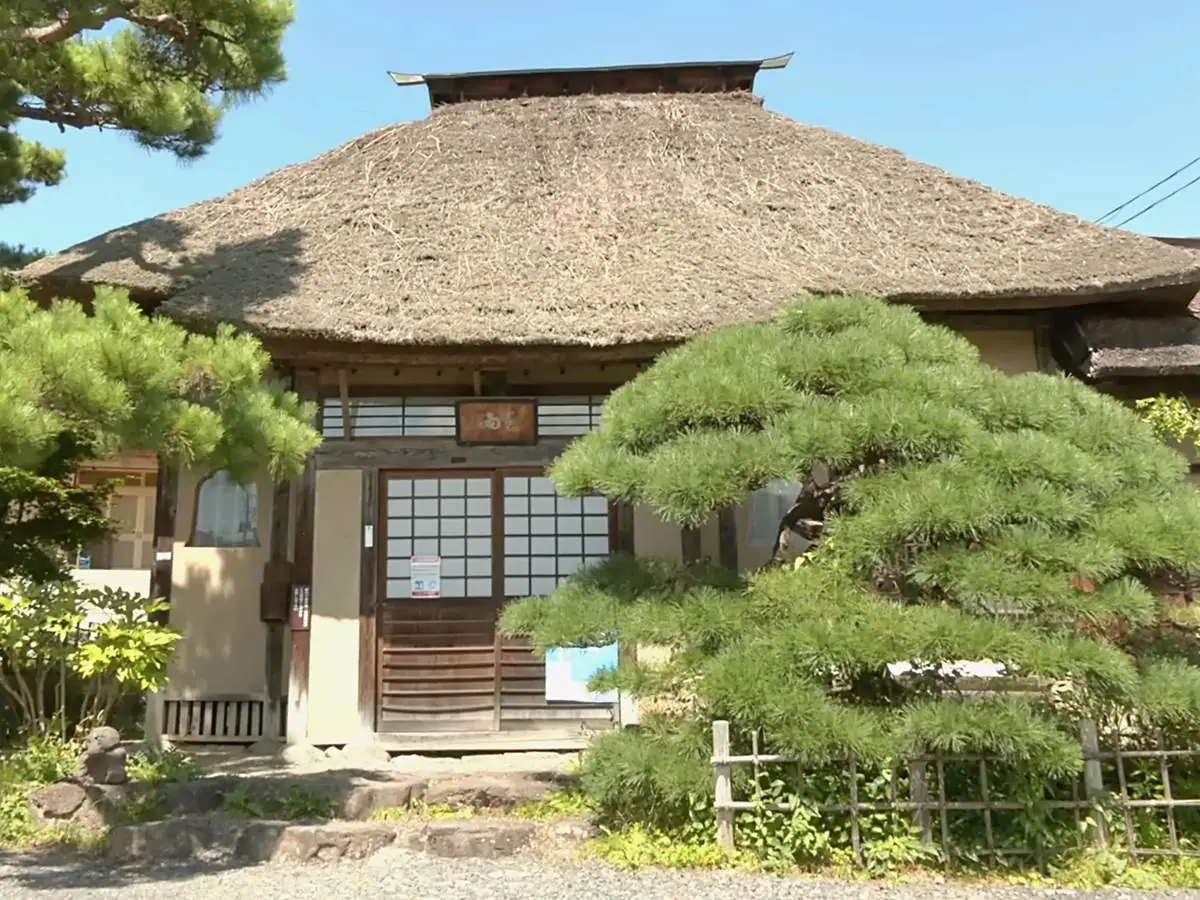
point(1075, 104)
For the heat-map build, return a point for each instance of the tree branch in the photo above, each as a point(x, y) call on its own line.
point(62, 118)
point(66, 26)
point(806, 515)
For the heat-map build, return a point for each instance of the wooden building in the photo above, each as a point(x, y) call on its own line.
point(459, 294)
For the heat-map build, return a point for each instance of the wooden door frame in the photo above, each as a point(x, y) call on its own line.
point(373, 573)
point(369, 659)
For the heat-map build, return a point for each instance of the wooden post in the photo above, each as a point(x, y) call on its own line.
point(306, 384)
point(722, 785)
point(281, 507)
point(918, 792)
point(690, 545)
point(368, 574)
point(1093, 778)
point(344, 396)
point(166, 500)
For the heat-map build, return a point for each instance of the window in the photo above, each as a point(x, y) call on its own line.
point(226, 513)
point(131, 507)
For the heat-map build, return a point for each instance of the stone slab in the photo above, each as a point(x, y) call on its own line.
point(212, 838)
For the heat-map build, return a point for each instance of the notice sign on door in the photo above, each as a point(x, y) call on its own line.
point(426, 574)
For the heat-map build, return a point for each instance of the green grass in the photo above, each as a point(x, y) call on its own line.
point(296, 804)
point(550, 808)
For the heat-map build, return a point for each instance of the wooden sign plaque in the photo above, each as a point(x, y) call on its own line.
point(492, 421)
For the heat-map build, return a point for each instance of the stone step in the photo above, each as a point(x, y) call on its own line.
point(216, 839)
point(351, 797)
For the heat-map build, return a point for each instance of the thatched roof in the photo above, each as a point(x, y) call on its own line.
point(598, 220)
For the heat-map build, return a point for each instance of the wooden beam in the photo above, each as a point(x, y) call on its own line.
point(432, 453)
point(344, 393)
point(369, 577)
point(166, 502)
point(305, 385)
point(727, 538)
point(318, 352)
point(690, 541)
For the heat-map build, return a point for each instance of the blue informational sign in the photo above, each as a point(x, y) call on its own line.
point(570, 669)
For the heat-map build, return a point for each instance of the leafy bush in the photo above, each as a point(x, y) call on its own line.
point(106, 642)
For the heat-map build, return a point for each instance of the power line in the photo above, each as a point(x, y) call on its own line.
point(1157, 184)
point(1151, 206)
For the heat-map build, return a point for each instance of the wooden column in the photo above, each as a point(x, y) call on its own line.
point(166, 501)
point(305, 385)
point(368, 668)
point(281, 509)
point(727, 538)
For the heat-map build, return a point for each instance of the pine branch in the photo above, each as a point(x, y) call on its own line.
point(67, 25)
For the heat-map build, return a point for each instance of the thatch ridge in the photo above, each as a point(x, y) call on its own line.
point(599, 220)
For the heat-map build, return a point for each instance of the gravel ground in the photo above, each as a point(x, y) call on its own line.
point(393, 873)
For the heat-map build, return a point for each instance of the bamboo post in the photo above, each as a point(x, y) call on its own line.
point(1093, 778)
point(722, 785)
point(918, 792)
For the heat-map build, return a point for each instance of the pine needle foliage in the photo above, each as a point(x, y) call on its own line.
point(954, 513)
point(163, 73)
point(78, 386)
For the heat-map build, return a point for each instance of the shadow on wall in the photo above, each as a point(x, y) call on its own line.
point(215, 605)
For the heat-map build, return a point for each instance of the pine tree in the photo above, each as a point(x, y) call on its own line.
point(16, 256)
point(75, 387)
point(162, 72)
point(949, 513)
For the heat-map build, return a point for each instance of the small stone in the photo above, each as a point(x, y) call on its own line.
point(302, 755)
point(102, 740)
point(57, 801)
point(367, 756)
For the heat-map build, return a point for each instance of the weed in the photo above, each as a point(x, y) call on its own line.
point(295, 805)
point(556, 805)
point(149, 807)
point(1105, 868)
point(164, 766)
point(639, 847)
point(40, 762)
